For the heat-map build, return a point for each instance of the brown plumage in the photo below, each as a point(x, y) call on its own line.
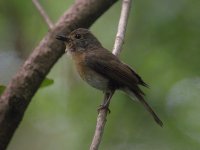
point(103, 70)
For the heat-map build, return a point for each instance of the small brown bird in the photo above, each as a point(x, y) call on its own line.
point(103, 70)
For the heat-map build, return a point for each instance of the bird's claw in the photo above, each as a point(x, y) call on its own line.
point(104, 107)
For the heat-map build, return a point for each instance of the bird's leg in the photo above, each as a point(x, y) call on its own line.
point(107, 97)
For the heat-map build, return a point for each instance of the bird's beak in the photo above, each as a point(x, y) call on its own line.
point(62, 38)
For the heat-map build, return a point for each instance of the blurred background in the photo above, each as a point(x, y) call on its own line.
point(162, 44)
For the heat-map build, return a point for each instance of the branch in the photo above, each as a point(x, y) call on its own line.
point(101, 119)
point(19, 92)
point(43, 14)
point(119, 40)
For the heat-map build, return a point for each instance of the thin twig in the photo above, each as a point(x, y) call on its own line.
point(119, 40)
point(101, 119)
point(43, 14)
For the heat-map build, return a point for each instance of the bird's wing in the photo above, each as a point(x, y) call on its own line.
point(108, 65)
point(141, 82)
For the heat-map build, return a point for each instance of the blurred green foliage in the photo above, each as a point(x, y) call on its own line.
point(162, 44)
point(2, 88)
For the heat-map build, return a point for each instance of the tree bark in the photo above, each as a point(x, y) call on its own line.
point(25, 83)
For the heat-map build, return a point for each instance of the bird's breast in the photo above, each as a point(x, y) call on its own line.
point(93, 78)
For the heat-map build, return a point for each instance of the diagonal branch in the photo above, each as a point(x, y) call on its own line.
point(43, 14)
point(23, 86)
point(101, 119)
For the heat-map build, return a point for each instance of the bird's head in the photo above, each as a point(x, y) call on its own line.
point(80, 40)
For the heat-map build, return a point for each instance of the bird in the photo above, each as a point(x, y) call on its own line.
point(103, 70)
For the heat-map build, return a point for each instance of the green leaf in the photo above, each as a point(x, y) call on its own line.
point(46, 82)
point(2, 88)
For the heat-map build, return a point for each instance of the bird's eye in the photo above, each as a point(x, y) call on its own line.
point(77, 36)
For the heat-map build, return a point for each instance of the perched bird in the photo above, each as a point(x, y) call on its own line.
point(103, 70)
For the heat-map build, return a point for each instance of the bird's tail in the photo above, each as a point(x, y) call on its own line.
point(140, 97)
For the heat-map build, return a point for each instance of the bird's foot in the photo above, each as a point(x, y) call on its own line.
point(105, 107)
